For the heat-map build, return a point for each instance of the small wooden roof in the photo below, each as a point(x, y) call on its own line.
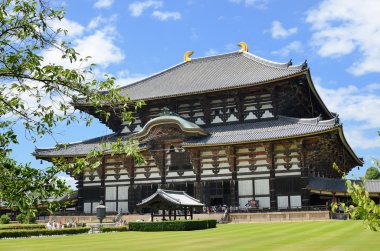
point(169, 198)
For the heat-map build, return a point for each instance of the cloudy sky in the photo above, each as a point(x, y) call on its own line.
point(132, 39)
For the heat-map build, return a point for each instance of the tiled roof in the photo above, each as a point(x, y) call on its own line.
point(78, 148)
point(372, 186)
point(224, 134)
point(281, 127)
point(339, 185)
point(178, 198)
point(218, 72)
point(327, 184)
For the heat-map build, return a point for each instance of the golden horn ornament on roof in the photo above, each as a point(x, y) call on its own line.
point(244, 46)
point(187, 55)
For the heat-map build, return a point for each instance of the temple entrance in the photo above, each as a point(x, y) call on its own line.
point(216, 200)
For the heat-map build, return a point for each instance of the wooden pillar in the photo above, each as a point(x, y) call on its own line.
point(80, 205)
point(170, 214)
point(102, 175)
point(185, 213)
point(305, 194)
point(231, 156)
point(175, 213)
point(163, 214)
point(151, 214)
point(191, 213)
point(269, 148)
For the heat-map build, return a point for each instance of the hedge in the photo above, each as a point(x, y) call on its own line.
point(22, 226)
point(41, 232)
point(4, 219)
point(113, 229)
point(172, 225)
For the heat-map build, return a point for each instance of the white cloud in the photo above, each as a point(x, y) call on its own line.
point(90, 46)
point(166, 15)
point(211, 52)
point(372, 87)
point(342, 27)
point(137, 8)
point(73, 28)
point(294, 46)
point(353, 103)
point(101, 47)
point(358, 107)
point(362, 139)
point(103, 4)
point(260, 4)
point(278, 31)
point(100, 20)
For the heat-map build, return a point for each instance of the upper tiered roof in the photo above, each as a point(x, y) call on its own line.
point(225, 71)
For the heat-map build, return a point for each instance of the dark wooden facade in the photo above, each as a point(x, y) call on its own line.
point(275, 171)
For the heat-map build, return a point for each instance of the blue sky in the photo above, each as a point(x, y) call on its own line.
point(132, 39)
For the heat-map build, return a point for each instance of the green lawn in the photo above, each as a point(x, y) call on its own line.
point(327, 235)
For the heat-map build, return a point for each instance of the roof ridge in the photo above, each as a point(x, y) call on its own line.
point(270, 62)
point(311, 121)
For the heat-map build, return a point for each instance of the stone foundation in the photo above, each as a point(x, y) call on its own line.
point(279, 216)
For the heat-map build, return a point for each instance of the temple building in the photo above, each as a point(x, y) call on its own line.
point(225, 129)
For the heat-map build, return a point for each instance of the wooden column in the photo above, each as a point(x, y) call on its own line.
point(185, 213)
point(102, 175)
point(231, 156)
point(80, 204)
point(191, 213)
point(151, 214)
point(163, 214)
point(170, 214)
point(269, 149)
point(197, 169)
point(175, 214)
point(305, 195)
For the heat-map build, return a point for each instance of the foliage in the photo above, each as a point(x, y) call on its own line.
point(22, 226)
point(26, 219)
point(40, 232)
point(39, 95)
point(172, 225)
point(113, 229)
point(363, 206)
point(372, 173)
point(4, 219)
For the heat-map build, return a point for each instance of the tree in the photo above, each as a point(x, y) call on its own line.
point(38, 95)
point(372, 173)
point(363, 206)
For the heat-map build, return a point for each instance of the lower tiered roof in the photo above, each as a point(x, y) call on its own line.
point(277, 128)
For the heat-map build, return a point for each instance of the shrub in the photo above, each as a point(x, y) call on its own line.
point(22, 226)
point(41, 232)
point(172, 225)
point(4, 219)
point(113, 229)
point(211, 223)
point(22, 218)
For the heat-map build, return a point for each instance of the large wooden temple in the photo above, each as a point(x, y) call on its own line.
point(226, 129)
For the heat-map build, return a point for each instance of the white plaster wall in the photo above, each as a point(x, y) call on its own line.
point(245, 187)
point(262, 186)
point(295, 201)
point(123, 193)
